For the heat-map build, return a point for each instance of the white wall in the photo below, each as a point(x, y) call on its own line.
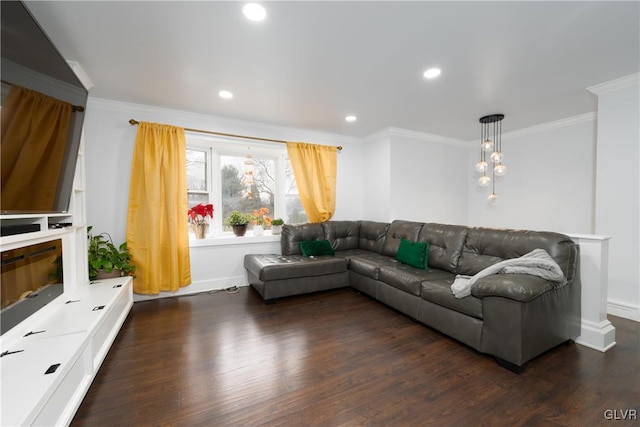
point(428, 178)
point(109, 141)
point(549, 183)
point(414, 176)
point(376, 166)
point(350, 181)
point(617, 211)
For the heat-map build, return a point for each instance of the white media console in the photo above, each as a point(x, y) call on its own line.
point(47, 371)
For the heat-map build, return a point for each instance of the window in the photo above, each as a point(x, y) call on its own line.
point(244, 177)
point(198, 184)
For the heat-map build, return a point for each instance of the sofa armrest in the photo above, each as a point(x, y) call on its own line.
point(517, 287)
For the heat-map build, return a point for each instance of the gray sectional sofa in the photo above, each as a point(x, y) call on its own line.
point(513, 317)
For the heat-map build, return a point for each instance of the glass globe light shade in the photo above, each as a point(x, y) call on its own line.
point(493, 197)
point(496, 157)
point(484, 181)
point(487, 145)
point(481, 166)
point(500, 170)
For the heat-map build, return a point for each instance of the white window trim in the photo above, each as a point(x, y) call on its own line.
point(217, 146)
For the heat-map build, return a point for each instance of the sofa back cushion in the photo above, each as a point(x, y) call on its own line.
point(399, 230)
point(343, 235)
point(487, 246)
point(445, 244)
point(292, 235)
point(372, 235)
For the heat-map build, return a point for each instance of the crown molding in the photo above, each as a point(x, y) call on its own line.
point(614, 85)
point(189, 119)
point(569, 121)
point(421, 136)
point(81, 74)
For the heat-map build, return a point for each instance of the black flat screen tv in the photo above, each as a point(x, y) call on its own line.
point(43, 107)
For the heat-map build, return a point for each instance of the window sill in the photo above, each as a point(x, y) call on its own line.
point(229, 239)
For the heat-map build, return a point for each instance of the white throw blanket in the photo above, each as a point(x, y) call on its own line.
point(537, 263)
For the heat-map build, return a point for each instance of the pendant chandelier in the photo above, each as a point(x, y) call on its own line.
point(491, 127)
point(248, 176)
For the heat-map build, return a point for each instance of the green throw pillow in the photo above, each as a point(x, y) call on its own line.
point(316, 248)
point(415, 254)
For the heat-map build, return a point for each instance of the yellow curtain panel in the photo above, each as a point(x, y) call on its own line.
point(34, 132)
point(315, 169)
point(157, 233)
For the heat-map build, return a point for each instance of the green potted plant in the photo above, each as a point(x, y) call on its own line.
point(276, 226)
point(238, 222)
point(105, 259)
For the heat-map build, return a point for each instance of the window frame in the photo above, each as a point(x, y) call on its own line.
point(218, 146)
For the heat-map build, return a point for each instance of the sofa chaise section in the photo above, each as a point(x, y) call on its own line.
point(277, 276)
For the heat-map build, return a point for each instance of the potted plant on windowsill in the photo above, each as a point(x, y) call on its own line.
point(198, 215)
point(260, 220)
point(238, 222)
point(276, 226)
point(105, 259)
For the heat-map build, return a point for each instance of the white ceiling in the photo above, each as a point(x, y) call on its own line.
point(309, 64)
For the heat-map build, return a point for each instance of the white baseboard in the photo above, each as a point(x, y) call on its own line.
point(197, 287)
point(598, 336)
point(626, 311)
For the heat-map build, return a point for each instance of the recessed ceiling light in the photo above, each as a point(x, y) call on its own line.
point(351, 118)
point(432, 73)
point(254, 12)
point(225, 94)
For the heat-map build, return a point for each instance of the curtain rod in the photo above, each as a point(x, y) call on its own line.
point(232, 135)
point(74, 108)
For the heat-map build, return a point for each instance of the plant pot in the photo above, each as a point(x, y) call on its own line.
point(239, 230)
point(200, 230)
point(276, 229)
point(258, 230)
point(104, 275)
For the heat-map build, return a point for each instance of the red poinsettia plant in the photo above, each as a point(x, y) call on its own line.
point(198, 214)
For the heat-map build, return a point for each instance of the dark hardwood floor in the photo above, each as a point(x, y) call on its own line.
point(339, 358)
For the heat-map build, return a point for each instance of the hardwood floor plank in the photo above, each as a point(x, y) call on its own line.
point(338, 358)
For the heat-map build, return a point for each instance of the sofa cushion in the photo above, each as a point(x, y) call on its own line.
point(439, 292)
point(445, 244)
point(316, 248)
point(372, 235)
point(292, 235)
point(343, 235)
point(407, 278)
point(487, 246)
point(415, 254)
point(352, 253)
point(369, 264)
point(278, 267)
point(399, 230)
